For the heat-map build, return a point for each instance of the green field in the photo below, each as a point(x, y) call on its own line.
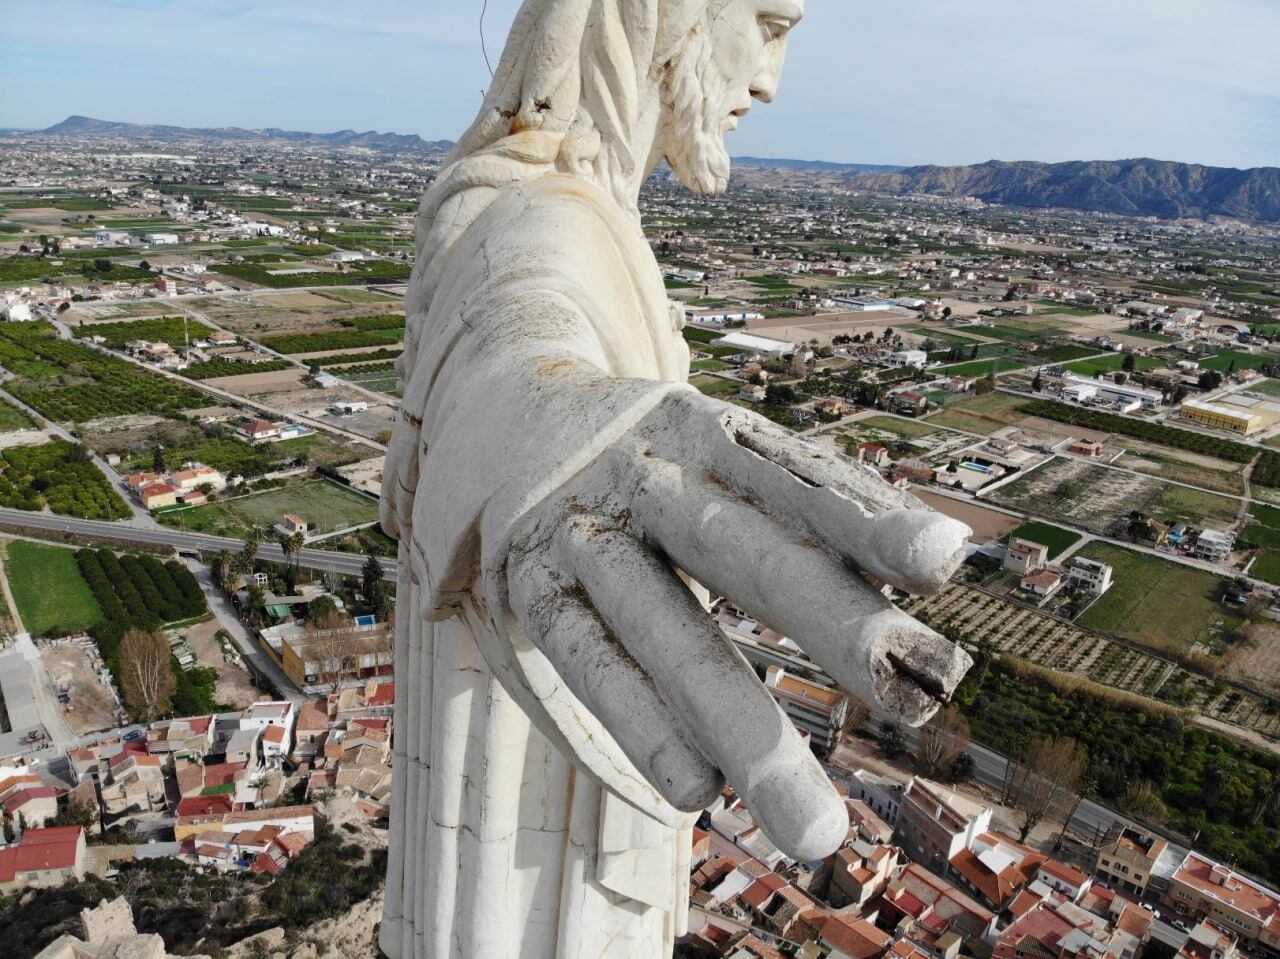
point(52, 597)
point(902, 427)
point(1264, 531)
point(12, 418)
point(980, 367)
point(326, 505)
point(358, 296)
point(1057, 539)
point(384, 381)
point(714, 385)
point(1266, 388)
point(1109, 364)
point(173, 330)
point(1267, 566)
point(1243, 361)
point(1155, 602)
point(1148, 335)
point(980, 414)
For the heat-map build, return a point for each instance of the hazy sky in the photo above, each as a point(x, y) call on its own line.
point(907, 81)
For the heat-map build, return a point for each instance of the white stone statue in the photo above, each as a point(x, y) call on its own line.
point(565, 704)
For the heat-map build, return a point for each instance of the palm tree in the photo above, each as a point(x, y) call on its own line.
point(291, 544)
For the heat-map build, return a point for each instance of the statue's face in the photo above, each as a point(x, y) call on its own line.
point(735, 55)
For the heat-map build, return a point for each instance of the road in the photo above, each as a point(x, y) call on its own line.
point(1090, 820)
point(325, 561)
point(46, 698)
point(259, 663)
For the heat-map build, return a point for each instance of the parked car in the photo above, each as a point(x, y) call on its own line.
point(132, 736)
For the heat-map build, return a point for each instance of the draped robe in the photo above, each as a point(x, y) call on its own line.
point(518, 829)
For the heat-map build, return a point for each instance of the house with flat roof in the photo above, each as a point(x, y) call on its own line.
point(1128, 856)
point(1203, 889)
point(814, 709)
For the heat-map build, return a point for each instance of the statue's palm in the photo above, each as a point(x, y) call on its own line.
point(776, 524)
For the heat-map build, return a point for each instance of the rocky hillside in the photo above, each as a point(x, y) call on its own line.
point(81, 127)
point(1128, 187)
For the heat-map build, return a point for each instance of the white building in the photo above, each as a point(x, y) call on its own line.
point(346, 256)
point(161, 239)
point(1213, 545)
point(14, 309)
point(749, 343)
point(1090, 574)
point(904, 358)
point(112, 238)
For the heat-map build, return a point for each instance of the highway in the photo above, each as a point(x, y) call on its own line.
point(325, 561)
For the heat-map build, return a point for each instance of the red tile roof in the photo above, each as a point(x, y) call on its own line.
point(54, 848)
point(854, 937)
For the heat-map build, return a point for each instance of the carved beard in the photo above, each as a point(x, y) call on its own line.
point(694, 93)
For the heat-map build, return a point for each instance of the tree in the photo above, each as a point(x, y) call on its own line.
point(1129, 362)
point(1046, 779)
point(370, 577)
point(157, 459)
point(146, 673)
point(144, 265)
point(1209, 380)
point(1036, 382)
point(962, 769)
point(291, 545)
point(332, 648)
point(941, 742)
point(892, 742)
point(985, 385)
point(1143, 802)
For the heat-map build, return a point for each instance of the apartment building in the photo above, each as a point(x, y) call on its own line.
point(816, 710)
point(1128, 856)
point(1203, 889)
point(934, 823)
point(1090, 575)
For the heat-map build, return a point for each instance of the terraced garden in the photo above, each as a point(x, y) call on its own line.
point(980, 617)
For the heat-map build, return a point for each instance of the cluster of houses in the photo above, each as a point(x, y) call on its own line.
point(223, 782)
point(188, 486)
point(1041, 580)
point(924, 874)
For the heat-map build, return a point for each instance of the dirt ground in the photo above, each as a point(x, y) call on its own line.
point(988, 525)
point(293, 301)
point(248, 384)
point(1259, 663)
point(234, 685)
point(92, 705)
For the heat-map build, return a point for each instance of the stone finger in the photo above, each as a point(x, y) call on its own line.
point(801, 589)
point(703, 679)
point(558, 617)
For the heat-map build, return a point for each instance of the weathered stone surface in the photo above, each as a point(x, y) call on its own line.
point(109, 918)
point(565, 704)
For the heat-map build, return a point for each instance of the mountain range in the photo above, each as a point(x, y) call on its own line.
point(80, 127)
point(1140, 187)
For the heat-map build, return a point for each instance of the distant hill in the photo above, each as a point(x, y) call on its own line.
point(820, 165)
point(81, 127)
point(1139, 187)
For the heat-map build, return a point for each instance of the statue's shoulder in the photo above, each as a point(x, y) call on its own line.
point(558, 209)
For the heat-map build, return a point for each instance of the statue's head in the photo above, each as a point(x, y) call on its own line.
point(607, 88)
point(732, 55)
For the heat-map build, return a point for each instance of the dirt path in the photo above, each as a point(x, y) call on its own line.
point(1239, 733)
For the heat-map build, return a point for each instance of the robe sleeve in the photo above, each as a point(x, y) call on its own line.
point(548, 339)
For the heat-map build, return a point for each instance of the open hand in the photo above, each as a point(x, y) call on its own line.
point(778, 525)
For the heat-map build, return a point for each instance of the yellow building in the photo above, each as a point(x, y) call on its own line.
point(1220, 416)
